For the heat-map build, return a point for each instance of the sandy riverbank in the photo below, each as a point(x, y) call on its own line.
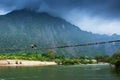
point(25, 63)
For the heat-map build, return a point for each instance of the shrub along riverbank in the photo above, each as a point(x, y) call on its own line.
point(50, 55)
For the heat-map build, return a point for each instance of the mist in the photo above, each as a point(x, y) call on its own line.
point(96, 16)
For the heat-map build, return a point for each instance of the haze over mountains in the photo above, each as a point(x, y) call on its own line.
point(20, 29)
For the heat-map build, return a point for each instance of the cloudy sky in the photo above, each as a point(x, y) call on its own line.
point(97, 16)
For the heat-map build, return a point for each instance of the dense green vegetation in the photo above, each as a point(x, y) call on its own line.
point(103, 58)
point(115, 59)
point(50, 55)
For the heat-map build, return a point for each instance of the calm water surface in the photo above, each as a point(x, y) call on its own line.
point(75, 72)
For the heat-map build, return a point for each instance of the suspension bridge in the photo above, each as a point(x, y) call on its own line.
point(35, 47)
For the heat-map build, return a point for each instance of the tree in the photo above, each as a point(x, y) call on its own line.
point(116, 59)
point(102, 58)
point(51, 54)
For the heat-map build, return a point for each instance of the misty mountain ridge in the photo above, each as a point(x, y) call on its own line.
point(20, 29)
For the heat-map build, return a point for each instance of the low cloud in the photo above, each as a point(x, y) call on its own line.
point(90, 15)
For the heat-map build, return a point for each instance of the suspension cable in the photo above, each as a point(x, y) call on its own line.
point(64, 46)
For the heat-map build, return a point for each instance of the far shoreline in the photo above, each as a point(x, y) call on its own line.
point(25, 63)
point(12, 63)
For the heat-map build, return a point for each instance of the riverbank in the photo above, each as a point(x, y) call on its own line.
point(25, 63)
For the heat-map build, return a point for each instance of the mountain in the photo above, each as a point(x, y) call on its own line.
point(20, 29)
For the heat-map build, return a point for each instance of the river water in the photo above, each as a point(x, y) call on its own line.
point(71, 72)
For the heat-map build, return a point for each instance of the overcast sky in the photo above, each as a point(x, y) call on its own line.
point(97, 16)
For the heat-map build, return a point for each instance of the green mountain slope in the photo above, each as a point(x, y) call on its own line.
point(20, 29)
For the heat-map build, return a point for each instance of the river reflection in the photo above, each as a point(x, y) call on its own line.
point(71, 72)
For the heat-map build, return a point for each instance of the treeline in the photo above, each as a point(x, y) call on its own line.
point(50, 55)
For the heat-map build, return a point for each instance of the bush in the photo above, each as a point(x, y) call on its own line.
point(115, 59)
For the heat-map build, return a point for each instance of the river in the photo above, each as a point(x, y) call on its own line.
point(71, 72)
